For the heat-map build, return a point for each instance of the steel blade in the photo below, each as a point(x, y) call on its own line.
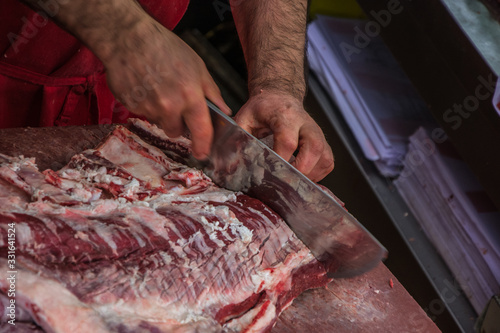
point(240, 162)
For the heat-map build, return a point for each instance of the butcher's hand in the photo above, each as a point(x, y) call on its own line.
point(292, 128)
point(151, 70)
point(162, 78)
point(272, 35)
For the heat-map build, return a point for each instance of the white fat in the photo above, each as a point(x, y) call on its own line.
point(226, 219)
point(117, 311)
point(167, 259)
point(23, 234)
point(122, 201)
point(40, 292)
point(262, 279)
point(264, 321)
point(250, 322)
point(199, 243)
point(17, 162)
point(215, 196)
point(80, 194)
point(106, 234)
point(211, 229)
point(138, 165)
point(182, 242)
point(140, 203)
point(138, 238)
point(76, 185)
point(245, 233)
point(104, 207)
point(99, 175)
point(131, 188)
point(71, 174)
point(81, 235)
point(159, 132)
point(162, 200)
point(190, 317)
point(236, 226)
point(96, 196)
point(14, 166)
point(213, 238)
point(269, 278)
point(213, 226)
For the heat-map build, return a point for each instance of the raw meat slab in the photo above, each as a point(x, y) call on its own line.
point(124, 239)
point(318, 310)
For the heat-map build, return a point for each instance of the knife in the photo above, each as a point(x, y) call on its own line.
point(240, 162)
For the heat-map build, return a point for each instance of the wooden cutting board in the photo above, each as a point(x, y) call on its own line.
point(374, 302)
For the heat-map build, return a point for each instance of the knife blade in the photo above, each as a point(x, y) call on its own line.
point(240, 162)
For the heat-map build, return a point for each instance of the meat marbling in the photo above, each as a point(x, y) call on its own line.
point(126, 239)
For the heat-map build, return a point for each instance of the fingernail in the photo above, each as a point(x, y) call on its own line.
point(227, 109)
point(201, 156)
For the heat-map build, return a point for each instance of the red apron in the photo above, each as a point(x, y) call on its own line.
point(48, 78)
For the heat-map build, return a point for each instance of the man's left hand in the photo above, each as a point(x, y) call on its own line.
point(293, 129)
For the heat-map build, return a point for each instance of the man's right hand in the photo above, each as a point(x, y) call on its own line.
point(150, 70)
point(155, 74)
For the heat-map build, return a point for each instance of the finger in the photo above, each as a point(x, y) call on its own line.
point(324, 166)
point(285, 143)
point(315, 157)
point(199, 123)
point(212, 92)
point(244, 121)
point(172, 126)
point(309, 154)
point(168, 117)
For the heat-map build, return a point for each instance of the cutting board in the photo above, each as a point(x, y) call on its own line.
point(373, 302)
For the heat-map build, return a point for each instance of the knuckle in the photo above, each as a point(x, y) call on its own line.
point(191, 101)
point(289, 143)
point(166, 104)
point(200, 130)
point(317, 147)
point(196, 104)
point(328, 163)
point(185, 92)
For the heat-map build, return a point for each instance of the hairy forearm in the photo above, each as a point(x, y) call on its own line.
point(104, 26)
point(272, 35)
